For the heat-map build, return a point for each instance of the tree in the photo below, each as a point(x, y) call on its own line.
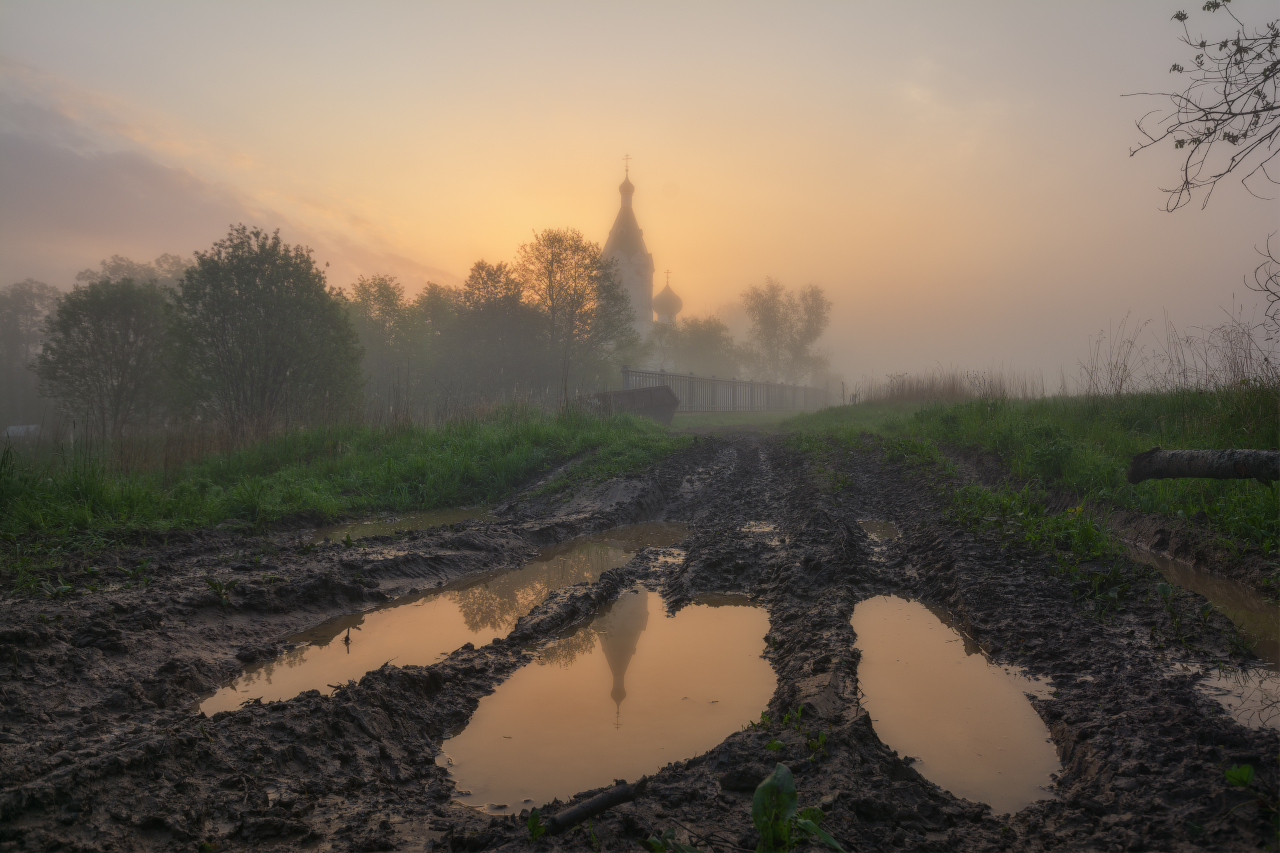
point(785, 326)
point(261, 341)
point(165, 270)
point(587, 314)
point(1227, 119)
point(379, 314)
point(23, 307)
point(103, 355)
point(498, 335)
point(700, 345)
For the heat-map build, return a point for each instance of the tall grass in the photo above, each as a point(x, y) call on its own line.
point(1211, 389)
point(82, 499)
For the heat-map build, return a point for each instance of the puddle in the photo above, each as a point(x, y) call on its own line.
point(1250, 694)
point(618, 699)
point(880, 530)
point(932, 695)
point(421, 629)
point(1256, 619)
point(390, 524)
point(759, 527)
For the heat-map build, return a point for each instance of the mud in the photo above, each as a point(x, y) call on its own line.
point(102, 749)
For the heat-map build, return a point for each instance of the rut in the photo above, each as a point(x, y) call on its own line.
point(103, 749)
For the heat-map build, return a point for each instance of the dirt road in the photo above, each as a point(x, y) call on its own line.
point(102, 748)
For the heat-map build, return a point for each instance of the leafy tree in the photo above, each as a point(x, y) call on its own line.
point(498, 336)
point(165, 270)
point(587, 315)
point(104, 353)
point(700, 345)
point(261, 341)
point(23, 308)
point(380, 316)
point(785, 327)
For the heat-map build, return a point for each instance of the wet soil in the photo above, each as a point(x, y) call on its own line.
point(102, 747)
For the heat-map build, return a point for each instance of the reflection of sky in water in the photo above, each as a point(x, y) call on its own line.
point(1250, 694)
point(1257, 619)
point(661, 689)
point(933, 695)
point(880, 529)
point(422, 628)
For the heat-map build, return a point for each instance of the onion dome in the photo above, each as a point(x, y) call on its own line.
point(667, 304)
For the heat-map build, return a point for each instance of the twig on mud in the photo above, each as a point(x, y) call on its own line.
point(712, 838)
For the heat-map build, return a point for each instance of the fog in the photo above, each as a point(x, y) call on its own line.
point(956, 178)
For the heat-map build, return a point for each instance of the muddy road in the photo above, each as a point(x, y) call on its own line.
point(103, 745)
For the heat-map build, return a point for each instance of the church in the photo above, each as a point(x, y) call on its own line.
point(635, 266)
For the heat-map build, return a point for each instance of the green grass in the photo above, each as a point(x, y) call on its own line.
point(322, 474)
point(762, 421)
point(1084, 446)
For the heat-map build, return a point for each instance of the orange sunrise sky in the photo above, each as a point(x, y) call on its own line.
point(955, 175)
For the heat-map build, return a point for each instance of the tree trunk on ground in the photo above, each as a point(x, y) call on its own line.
point(600, 803)
point(1157, 464)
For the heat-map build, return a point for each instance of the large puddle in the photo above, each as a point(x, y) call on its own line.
point(933, 696)
point(1246, 607)
point(423, 628)
point(390, 524)
point(618, 699)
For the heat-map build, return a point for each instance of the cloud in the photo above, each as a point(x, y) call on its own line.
point(78, 184)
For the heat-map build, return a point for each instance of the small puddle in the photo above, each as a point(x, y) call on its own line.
point(619, 698)
point(1251, 695)
point(932, 695)
point(420, 629)
point(880, 530)
point(390, 524)
point(1258, 620)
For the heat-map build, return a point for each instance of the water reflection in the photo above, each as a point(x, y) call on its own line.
point(422, 628)
point(879, 530)
point(1256, 618)
point(662, 689)
point(932, 695)
point(408, 521)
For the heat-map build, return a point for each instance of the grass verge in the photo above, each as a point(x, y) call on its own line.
point(1084, 445)
point(80, 503)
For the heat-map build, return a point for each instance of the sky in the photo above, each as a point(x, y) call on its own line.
point(956, 176)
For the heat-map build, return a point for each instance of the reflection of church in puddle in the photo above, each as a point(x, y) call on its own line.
point(619, 631)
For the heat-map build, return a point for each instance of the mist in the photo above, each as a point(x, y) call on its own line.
point(957, 181)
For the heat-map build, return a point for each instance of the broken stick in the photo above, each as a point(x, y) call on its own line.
point(602, 802)
point(1157, 464)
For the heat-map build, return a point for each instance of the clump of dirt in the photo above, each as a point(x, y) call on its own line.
point(102, 747)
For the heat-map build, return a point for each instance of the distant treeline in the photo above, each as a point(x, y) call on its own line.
point(249, 338)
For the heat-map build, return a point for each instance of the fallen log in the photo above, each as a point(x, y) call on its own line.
point(1157, 464)
point(600, 803)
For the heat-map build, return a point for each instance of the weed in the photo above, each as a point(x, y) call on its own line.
point(781, 824)
point(1268, 802)
point(763, 722)
point(49, 590)
point(773, 745)
point(346, 542)
point(222, 589)
point(817, 746)
point(536, 828)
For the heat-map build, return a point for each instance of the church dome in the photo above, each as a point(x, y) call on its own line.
point(666, 303)
point(626, 187)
